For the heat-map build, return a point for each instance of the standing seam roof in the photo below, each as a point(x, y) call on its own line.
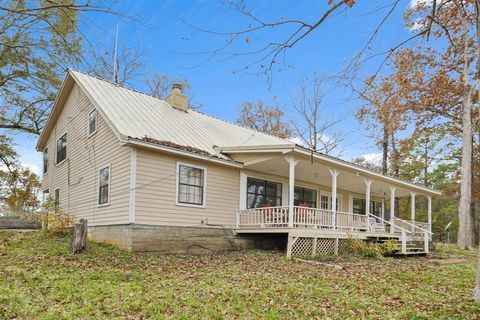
point(136, 114)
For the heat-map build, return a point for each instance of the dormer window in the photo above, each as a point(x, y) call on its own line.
point(92, 122)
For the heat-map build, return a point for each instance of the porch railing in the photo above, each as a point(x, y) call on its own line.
point(413, 227)
point(278, 217)
point(273, 217)
point(304, 217)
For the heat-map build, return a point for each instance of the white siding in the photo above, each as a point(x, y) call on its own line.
point(156, 185)
point(77, 177)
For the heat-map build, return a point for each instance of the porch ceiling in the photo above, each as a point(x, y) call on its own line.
point(315, 172)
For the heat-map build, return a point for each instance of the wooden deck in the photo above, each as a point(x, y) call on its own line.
point(324, 233)
point(328, 229)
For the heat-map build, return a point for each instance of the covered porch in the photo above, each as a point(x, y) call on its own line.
point(291, 190)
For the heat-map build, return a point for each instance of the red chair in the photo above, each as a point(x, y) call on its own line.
point(267, 213)
point(302, 213)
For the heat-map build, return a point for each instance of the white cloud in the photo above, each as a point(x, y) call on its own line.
point(419, 24)
point(33, 167)
point(325, 138)
point(375, 158)
point(415, 3)
point(297, 140)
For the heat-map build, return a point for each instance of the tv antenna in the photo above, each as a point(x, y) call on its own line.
point(115, 64)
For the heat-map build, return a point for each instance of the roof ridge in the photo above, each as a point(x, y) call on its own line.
point(190, 110)
point(115, 84)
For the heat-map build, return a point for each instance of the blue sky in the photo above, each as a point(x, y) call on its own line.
point(168, 42)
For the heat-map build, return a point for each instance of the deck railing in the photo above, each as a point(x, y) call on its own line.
point(273, 217)
point(312, 217)
point(413, 227)
point(422, 225)
point(278, 217)
point(304, 217)
point(352, 221)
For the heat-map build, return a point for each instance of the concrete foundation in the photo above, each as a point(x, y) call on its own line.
point(172, 239)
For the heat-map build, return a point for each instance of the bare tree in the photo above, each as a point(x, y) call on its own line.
point(265, 118)
point(269, 55)
point(160, 85)
point(129, 64)
point(382, 115)
point(314, 127)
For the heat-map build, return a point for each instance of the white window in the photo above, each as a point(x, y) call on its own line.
point(62, 148)
point(92, 122)
point(104, 186)
point(326, 201)
point(191, 183)
point(45, 161)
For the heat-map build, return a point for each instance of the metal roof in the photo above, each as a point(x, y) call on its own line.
point(138, 115)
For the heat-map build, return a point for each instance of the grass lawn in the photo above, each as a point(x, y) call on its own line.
point(41, 280)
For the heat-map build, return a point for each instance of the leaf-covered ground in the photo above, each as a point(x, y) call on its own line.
point(40, 280)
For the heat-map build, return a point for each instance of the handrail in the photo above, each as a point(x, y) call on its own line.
point(413, 225)
point(350, 213)
point(278, 216)
point(394, 226)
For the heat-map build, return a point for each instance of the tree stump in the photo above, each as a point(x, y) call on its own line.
point(79, 241)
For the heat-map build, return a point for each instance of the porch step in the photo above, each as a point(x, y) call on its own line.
point(414, 253)
point(412, 248)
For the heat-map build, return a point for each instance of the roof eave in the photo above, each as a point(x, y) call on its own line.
point(148, 145)
point(257, 148)
point(337, 162)
point(343, 163)
point(42, 140)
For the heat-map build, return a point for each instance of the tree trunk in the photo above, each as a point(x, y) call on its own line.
point(425, 165)
point(79, 241)
point(466, 228)
point(385, 151)
point(395, 158)
point(476, 294)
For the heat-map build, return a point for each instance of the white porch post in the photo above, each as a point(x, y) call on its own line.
point(368, 183)
point(392, 209)
point(383, 209)
point(412, 206)
point(429, 210)
point(334, 174)
point(291, 188)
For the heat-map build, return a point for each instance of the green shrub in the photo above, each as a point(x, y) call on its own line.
point(389, 247)
point(362, 248)
point(52, 218)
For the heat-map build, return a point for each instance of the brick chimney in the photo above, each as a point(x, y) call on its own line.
point(177, 98)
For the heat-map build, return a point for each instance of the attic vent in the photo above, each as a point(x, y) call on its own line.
point(177, 98)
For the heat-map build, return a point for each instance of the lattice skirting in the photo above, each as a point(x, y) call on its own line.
point(306, 246)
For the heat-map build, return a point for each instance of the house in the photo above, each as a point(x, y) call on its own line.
point(154, 175)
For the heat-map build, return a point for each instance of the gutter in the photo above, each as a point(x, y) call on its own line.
point(147, 145)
